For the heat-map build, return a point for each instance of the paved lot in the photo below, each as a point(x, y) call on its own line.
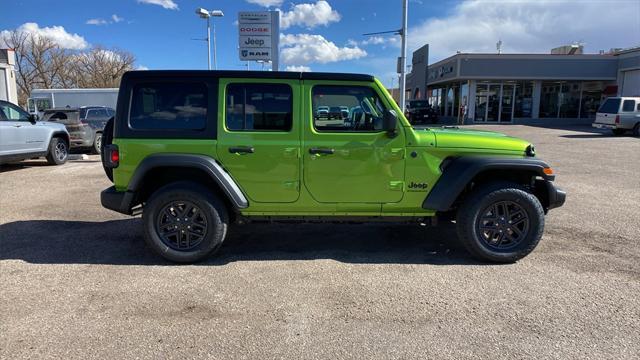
point(77, 282)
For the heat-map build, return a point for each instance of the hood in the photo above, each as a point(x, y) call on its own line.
point(476, 139)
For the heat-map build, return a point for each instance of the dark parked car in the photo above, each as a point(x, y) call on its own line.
point(84, 124)
point(421, 112)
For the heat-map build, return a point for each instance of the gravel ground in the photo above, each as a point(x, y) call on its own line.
point(77, 282)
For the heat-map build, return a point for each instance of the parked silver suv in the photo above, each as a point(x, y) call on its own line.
point(620, 114)
point(23, 137)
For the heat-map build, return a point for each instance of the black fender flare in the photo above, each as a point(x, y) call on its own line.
point(201, 162)
point(459, 172)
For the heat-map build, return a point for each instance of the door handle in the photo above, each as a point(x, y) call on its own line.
point(315, 151)
point(242, 150)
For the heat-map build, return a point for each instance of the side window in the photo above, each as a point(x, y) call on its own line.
point(346, 108)
point(169, 106)
point(259, 107)
point(101, 114)
point(110, 112)
point(628, 105)
point(12, 113)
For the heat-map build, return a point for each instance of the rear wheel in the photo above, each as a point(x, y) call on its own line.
point(500, 222)
point(636, 130)
point(184, 222)
point(618, 132)
point(58, 151)
point(97, 144)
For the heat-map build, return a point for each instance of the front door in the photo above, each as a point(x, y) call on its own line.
point(347, 157)
point(259, 137)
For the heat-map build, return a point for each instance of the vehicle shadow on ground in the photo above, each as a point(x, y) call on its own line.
point(120, 242)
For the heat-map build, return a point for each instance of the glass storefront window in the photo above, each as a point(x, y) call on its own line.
point(591, 98)
point(549, 100)
point(481, 102)
point(524, 99)
point(569, 100)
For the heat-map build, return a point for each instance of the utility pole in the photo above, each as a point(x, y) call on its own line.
point(209, 42)
point(403, 55)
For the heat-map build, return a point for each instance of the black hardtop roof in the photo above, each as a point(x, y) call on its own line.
point(248, 74)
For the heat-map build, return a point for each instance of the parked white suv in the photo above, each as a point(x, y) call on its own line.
point(620, 114)
point(22, 137)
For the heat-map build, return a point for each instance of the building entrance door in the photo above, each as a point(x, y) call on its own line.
point(494, 102)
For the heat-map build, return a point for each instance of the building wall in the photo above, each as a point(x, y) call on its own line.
point(417, 79)
point(556, 69)
point(8, 86)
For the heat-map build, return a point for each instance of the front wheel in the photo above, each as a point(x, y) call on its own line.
point(184, 222)
point(636, 130)
point(500, 222)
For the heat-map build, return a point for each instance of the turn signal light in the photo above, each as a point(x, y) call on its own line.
point(548, 171)
point(115, 156)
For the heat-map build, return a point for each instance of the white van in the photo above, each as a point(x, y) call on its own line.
point(620, 114)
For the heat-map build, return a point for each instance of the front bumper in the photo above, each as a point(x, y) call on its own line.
point(556, 196)
point(120, 201)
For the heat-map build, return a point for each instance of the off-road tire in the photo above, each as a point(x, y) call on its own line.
point(107, 139)
point(58, 151)
point(636, 130)
point(618, 132)
point(96, 149)
point(214, 215)
point(474, 207)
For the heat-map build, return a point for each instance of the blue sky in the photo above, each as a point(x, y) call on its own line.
point(327, 35)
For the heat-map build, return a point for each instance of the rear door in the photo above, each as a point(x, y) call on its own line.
point(259, 137)
point(608, 110)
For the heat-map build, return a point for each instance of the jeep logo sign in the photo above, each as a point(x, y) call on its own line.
point(258, 36)
point(255, 41)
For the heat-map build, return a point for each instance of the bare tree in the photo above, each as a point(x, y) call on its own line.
point(41, 63)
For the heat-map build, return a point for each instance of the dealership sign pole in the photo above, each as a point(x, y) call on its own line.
point(259, 36)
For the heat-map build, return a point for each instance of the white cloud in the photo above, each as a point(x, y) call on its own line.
point(374, 40)
point(309, 15)
point(97, 21)
point(301, 49)
point(167, 4)
point(142, 67)
point(266, 3)
point(297, 68)
point(57, 34)
point(526, 27)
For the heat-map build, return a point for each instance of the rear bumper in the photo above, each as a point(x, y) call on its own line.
point(604, 126)
point(119, 201)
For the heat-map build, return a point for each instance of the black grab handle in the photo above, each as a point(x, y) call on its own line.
point(242, 149)
point(321, 151)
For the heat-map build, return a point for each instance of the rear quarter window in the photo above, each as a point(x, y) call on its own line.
point(169, 106)
point(610, 106)
point(628, 105)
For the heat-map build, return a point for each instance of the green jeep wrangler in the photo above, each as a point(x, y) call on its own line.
point(195, 151)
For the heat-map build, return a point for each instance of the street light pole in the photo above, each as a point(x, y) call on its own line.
point(403, 55)
point(215, 55)
point(209, 42)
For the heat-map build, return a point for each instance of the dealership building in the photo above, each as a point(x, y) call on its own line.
point(564, 86)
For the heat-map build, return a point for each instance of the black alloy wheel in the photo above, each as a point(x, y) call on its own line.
point(503, 225)
point(181, 225)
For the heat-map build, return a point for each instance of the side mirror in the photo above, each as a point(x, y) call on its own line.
point(33, 118)
point(390, 122)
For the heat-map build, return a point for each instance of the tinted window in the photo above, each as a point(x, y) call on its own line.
point(11, 112)
point(610, 106)
point(260, 107)
point(63, 117)
point(628, 105)
point(169, 106)
point(110, 112)
point(363, 108)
